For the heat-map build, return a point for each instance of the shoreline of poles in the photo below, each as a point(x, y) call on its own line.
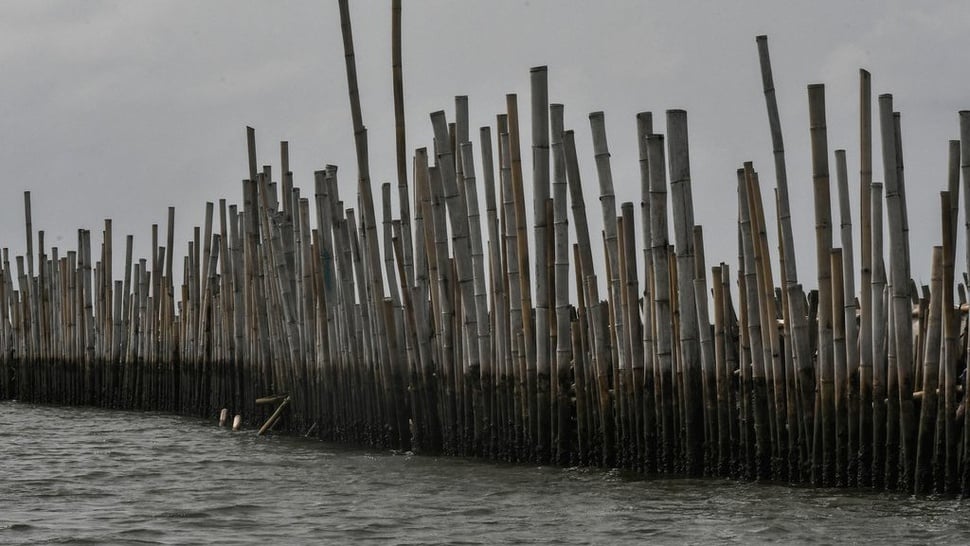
point(437, 329)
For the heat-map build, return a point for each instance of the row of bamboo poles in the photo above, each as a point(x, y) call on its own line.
point(439, 330)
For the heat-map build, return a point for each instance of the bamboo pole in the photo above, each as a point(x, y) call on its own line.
point(931, 362)
point(823, 236)
point(865, 294)
point(683, 217)
point(899, 273)
point(661, 297)
point(851, 388)
point(539, 87)
point(880, 327)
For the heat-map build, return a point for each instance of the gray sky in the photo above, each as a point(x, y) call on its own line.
point(118, 109)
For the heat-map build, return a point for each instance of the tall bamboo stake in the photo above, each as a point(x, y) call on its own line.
point(899, 266)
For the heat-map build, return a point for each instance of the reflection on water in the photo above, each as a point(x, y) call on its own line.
point(74, 475)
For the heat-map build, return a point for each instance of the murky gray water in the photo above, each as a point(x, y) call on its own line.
point(70, 475)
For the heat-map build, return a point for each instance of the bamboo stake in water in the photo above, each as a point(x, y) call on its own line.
point(683, 216)
point(865, 295)
point(899, 266)
point(823, 237)
point(931, 362)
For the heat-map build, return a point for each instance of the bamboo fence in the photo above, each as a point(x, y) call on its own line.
point(443, 330)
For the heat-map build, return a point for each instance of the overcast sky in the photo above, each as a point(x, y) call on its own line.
point(119, 109)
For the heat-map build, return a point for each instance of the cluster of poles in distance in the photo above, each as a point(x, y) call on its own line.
point(438, 329)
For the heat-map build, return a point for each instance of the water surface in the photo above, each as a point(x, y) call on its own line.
point(80, 475)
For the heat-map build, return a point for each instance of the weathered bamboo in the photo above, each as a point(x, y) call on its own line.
point(900, 278)
point(965, 172)
point(661, 298)
point(879, 341)
point(823, 237)
point(931, 362)
point(617, 338)
point(851, 387)
point(865, 294)
point(683, 216)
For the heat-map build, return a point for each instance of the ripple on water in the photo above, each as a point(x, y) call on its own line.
point(82, 475)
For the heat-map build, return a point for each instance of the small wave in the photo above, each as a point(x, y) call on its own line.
point(17, 527)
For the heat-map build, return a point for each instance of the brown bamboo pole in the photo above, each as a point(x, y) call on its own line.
point(880, 325)
point(774, 372)
point(965, 172)
point(521, 225)
point(634, 336)
point(866, 294)
point(947, 461)
point(756, 338)
point(931, 363)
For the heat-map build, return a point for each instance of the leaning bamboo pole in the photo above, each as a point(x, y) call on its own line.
point(851, 386)
point(899, 275)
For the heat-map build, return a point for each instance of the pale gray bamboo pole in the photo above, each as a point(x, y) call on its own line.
point(458, 215)
point(539, 92)
point(389, 268)
point(705, 336)
point(880, 326)
point(661, 295)
point(899, 266)
point(564, 345)
point(849, 310)
point(512, 262)
point(608, 206)
point(478, 264)
point(778, 149)
point(645, 128)
point(823, 237)
point(683, 216)
point(931, 365)
point(521, 226)
point(578, 205)
point(865, 277)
